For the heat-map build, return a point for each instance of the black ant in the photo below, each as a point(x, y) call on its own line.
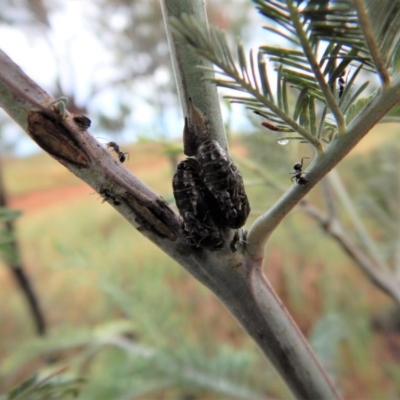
point(108, 196)
point(342, 83)
point(115, 147)
point(298, 175)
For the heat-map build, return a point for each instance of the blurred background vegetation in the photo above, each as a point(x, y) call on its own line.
point(120, 320)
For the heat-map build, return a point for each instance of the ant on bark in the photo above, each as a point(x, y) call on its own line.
point(115, 147)
point(121, 154)
point(109, 196)
point(298, 174)
point(342, 80)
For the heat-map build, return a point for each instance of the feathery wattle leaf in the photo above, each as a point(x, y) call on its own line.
point(324, 38)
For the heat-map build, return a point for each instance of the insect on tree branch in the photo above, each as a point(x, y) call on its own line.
point(208, 189)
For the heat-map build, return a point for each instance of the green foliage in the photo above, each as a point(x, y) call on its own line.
point(356, 107)
point(7, 215)
point(172, 149)
point(376, 190)
point(324, 39)
point(326, 337)
point(153, 347)
point(396, 60)
point(115, 352)
point(385, 19)
point(54, 386)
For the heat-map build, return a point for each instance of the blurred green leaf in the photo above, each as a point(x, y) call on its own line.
point(356, 108)
point(325, 338)
point(54, 386)
point(7, 215)
point(396, 60)
point(22, 387)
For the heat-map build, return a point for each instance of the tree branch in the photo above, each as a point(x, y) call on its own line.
point(17, 269)
point(367, 241)
point(336, 151)
point(234, 277)
point(192, 81)
point(334, 228)
point(238, 280)
point(64, 139)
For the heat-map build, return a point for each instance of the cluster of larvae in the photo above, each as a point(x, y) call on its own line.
point(208, 187)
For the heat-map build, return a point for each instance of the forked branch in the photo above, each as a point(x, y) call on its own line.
point(233, 276)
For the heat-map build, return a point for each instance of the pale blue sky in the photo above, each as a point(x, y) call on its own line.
point(82, 56)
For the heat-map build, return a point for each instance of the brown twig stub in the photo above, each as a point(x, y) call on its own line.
point(196, 130)
point(82, 121)
point(53, 137)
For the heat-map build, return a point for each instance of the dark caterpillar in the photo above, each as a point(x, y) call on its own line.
point(228, 201)
point(190, 196)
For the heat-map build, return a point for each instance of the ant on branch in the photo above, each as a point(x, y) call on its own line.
point(115, 147)
point(121, 154)
point(298, 174)
point(342, 80)
point(109, 196)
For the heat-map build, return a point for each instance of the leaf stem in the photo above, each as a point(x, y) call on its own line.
point(305, 43)
point(191, 81)
point(372, 44)
point(195, 35)
point(270, 104)
point(369, 245)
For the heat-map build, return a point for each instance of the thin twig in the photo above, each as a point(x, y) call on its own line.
point(310, 54)
point(372, 44)
point(367, 241)
point(333, 227)
point(17, 269)
point(193, 82)
point(331, 224)
point(329, 199)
